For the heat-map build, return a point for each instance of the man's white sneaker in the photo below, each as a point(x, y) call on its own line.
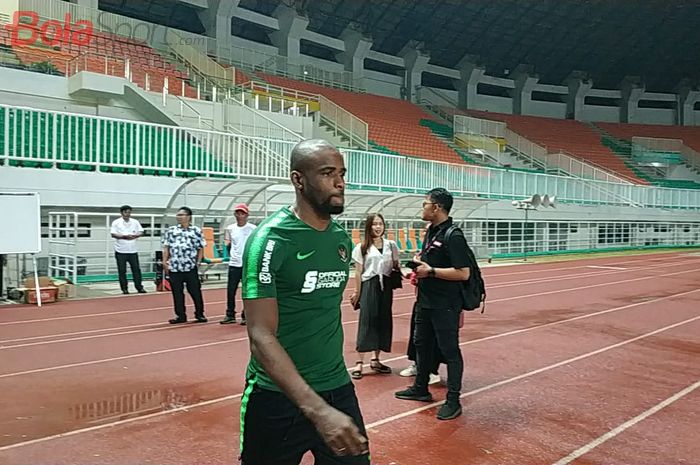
point(434, 379)
point(409, 371)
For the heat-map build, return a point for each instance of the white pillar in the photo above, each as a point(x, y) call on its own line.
point(470, 75)
point(415, 60)
point(579, 86)
point(288, 38)
point(217, 24)
point(357, 46)
point(525, 79)
point(632, 89)
point(686, 99)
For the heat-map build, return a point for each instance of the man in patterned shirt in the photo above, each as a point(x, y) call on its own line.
point(298, 395)
point(183, 249)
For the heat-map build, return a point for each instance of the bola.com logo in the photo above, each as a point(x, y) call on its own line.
point(26, 29)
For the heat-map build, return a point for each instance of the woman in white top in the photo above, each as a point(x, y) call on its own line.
point(374, 259)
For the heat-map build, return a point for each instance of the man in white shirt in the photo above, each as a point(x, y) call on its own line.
point(125, 231)
point(235, 237)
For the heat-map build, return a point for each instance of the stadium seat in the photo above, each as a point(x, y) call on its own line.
point(394, 125)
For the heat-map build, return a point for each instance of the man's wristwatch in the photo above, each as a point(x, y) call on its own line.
point(431, 272)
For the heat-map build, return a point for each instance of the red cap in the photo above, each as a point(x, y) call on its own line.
point(242, 207)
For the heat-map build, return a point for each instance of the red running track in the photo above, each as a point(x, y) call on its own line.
point(584, 362)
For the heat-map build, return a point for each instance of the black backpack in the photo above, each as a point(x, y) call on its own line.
point(473, 289)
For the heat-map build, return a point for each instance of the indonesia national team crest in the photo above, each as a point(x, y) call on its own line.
point(343, 252)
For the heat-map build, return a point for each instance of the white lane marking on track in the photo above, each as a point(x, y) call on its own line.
point(628, 424)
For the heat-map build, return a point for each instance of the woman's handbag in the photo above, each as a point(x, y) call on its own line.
point(396, 278)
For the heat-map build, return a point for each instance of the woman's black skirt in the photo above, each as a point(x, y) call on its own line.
point(375, 328)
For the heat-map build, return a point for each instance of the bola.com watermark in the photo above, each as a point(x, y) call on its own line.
point(27, 28)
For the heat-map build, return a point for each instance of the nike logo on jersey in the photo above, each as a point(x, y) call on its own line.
point(304, 256)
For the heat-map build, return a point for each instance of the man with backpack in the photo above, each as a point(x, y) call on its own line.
point(443, 267)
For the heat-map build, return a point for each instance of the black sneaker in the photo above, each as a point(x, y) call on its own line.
point(243, 323)
point(142, 291)
point(176, 321)
point(201, 319)
point(228, 320)
point(413, 394)
point(449, 410)
point(125, 292)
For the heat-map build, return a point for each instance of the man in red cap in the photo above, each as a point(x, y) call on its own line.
point(236, 236)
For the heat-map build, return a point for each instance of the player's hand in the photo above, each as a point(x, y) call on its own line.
point(339, 432)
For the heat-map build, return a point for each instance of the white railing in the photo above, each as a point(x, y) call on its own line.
point(252, 122)
point(279, 65)
point(561, 161)
point(199, 60)
point(100, 64)
point(430, 96)
point(344, 123)
point(80, 243)
point(484, 127)
point(190, 115)
point(263, 150)
point(533, 153)
point(581, 169)
point(276, 99)
point(691, 157)
point(657, 144)
point(482, 147)
point(66, 141)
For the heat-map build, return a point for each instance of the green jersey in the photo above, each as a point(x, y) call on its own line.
point(306, 271)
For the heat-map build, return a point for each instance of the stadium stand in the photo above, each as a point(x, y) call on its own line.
point(394, 125)
point(571, 137)
point(106, 54)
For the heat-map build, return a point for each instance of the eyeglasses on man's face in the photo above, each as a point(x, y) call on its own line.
point(428, 203)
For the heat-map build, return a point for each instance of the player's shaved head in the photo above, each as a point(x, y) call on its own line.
point(306, 153)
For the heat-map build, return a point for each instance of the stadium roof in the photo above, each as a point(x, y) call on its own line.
point(657, 40)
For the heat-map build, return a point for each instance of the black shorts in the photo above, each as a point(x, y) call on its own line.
point(275, 432)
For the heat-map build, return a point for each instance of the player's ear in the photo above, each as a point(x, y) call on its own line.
point(297, 180)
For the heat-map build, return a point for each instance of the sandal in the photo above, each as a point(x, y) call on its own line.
point(379, 367)
point(357, 372)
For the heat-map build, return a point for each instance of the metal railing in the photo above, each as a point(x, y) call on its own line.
point(199, 60)
point(276, 99)
point(264, 150)
point(62, 140)
point(256, 61)
point(70, 141)
point(100, 64)
point(482, 147)
point(657, 144)
point(344, 123)
point(691, 157)
point(656, 152)
point(434, 97)
point(252, 122)
point(189, 113)
point(80, 243)
point(561, 161)
point(483, 127)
